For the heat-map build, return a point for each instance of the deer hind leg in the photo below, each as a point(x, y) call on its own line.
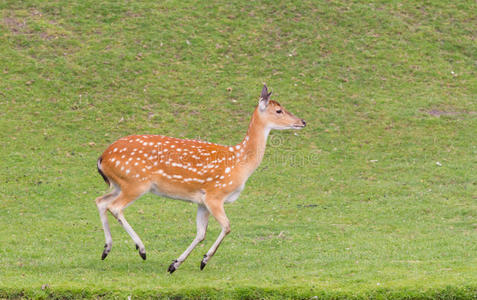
point(102, 204)
point(217, 210)
point(202, 220)
point(116, 208)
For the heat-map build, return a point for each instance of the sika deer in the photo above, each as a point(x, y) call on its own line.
point(201, 172)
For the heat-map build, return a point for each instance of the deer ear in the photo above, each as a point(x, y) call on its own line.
point(264, 94)
point(264, 97)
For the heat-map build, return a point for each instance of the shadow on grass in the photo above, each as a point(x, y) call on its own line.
point(241, 293)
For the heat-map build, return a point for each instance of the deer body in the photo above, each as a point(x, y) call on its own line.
point(197, 171)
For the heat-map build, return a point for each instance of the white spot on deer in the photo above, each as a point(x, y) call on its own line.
point(117, 163)
point(227, 170)
point(112, 159)
point(177, 176)
point(151, 143)
point(115, 149)
point(209, 179)
point(127, 171)
point(231, 149)
point(137, 175)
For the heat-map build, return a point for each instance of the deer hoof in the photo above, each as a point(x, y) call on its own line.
point(203, 263)
point(143, 255)
point(106, 251)
point(172, 267)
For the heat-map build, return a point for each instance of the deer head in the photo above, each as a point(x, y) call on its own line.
point(275, 116)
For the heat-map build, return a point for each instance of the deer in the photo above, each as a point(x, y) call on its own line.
point(197, 171)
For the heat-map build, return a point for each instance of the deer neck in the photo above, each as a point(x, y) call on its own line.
point(254, 144)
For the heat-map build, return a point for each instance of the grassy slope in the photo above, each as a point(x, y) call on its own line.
point(361, 205)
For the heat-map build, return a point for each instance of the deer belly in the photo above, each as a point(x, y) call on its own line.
point(178, 192)
point(234, 195)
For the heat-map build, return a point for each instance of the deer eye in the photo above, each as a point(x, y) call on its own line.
point(279, 111)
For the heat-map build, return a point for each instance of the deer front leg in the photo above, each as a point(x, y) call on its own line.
point(217, 210)
point(202, 220)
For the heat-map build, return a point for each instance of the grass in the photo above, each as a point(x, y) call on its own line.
point(376, 198)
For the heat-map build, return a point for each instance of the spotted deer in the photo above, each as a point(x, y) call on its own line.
point(192, 170)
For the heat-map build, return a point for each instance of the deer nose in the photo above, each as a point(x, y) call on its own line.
point(304, 123)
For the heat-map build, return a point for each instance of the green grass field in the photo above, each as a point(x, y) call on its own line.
point(376, 198)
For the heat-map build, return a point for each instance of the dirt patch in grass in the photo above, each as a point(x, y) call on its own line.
point(438, 113)
point(14, 25)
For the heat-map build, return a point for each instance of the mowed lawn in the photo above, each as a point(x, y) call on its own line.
point(376, 197)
